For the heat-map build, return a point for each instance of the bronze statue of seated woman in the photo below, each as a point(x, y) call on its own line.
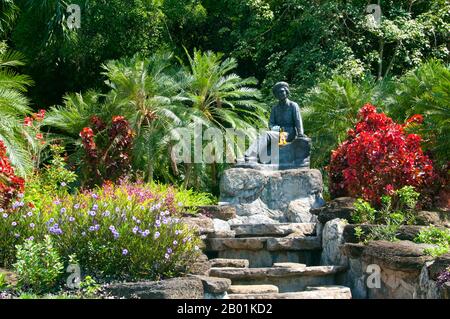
point(285, 146)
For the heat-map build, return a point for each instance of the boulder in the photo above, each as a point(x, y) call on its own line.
point(200, 224)
point(175, 288)
point(214, 285)
point(332, 240)
point(341, 208)
point(200, 266)
point(220, 225)
point(271, 193)
point(405, 256)
point(431, 218)
point(223, 212)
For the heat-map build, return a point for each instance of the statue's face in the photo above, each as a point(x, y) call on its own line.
point(281, 93)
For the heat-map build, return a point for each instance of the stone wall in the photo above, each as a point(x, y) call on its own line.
point(405, 270)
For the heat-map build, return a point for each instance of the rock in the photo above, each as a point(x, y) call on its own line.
point(440, 264)
point(299, 212)
point(218, 244)
point(426, 218)
point(175, 288)
point(222, 234)
point(220, 225)
point(274, 272)
point(201, 266)
point(289, 265)
point(270, 193)
point(201, 224)
point(332, 239)
point(293, 243)
point(342, 293)
point(223, 212)
point(341, 208)
point(427, 289)
point(224, 262)
point(254, 219)
point(301, 229)
point(409, 232)
point(400, 255)
point(10, 277)
point(446, 290)
point(253, 289)
point(214, 285)
point(405, 232)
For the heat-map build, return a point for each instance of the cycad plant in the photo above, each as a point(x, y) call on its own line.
point(13, 108)
point(426, 91)
point(219, 98)
point(8, 14)
point(147, 92)
point(331, 109)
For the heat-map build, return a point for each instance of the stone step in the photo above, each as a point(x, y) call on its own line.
point(340, 292)
point(265, 258)
point(287, 279)
point(269, 243)
point(227, 262)
point(252, 289)
point(293, 265)
point(282, 229)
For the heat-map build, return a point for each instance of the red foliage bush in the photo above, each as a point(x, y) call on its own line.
point(10, 184)
point(107, 149)
point(378, 157)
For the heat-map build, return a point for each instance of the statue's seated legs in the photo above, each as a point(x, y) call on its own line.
point(259, 150)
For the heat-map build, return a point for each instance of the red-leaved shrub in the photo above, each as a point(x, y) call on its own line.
point(379, 157)
point(107, 149)
point(10, 184)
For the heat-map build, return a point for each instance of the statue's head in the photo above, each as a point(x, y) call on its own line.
point(281, 90)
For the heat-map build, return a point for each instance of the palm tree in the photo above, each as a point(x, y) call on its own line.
point(13, 108)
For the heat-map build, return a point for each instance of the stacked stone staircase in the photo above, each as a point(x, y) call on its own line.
point(274, 261)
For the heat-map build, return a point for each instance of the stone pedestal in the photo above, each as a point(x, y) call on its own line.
point(262, 197)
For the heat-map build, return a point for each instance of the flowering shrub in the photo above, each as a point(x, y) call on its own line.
point(52, 180)
point(121, 231)
point(10, 184)
point(32, 132)
point(378, 158)
point(107, 149)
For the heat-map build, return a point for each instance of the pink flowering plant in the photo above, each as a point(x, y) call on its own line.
point(125, 231)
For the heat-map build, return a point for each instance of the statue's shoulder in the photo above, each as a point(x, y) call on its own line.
point(294, 104)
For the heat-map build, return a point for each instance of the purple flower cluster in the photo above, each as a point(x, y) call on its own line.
point(96, 227)
point(114, 232)
point(55, 230)
point(443, 277)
